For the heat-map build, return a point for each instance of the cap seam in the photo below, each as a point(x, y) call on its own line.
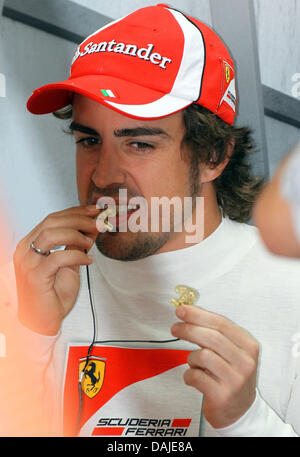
point(204, 46)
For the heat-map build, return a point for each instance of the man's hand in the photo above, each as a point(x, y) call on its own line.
point(224, 369)
point(48, 286)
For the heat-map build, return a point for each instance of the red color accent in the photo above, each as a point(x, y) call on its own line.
point(213, 77)
point(124, 367)
point(181, 422)
point(108, 431)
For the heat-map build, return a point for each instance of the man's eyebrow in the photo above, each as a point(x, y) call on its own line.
point(137, 131)
point(140, 131)
point(75, 126)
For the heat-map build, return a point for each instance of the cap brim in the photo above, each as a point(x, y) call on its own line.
point(125, 97)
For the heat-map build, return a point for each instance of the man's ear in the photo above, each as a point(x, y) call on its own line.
point(209, 171)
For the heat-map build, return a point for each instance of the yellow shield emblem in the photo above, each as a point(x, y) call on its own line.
point(227, 73)
point(93, 376)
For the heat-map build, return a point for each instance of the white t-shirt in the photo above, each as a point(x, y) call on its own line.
point(136, 389)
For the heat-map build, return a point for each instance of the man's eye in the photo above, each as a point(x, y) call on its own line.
point(141, 145)
point(88, 142)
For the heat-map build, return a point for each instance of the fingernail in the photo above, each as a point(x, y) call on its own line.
point(91, 258)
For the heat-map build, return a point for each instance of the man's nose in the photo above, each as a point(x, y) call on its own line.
point(109, 168)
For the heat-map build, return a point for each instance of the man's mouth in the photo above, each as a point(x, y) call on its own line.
point(118, 209)
point(113, 215)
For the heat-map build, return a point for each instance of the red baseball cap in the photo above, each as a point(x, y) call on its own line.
point(147, 65)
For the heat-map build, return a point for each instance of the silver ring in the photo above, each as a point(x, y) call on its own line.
point(38, 250)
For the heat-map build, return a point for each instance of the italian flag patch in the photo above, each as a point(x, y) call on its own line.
point(108, 93)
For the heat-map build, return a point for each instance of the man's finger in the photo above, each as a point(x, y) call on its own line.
point(201, 380)
point(200, 317)
point(67, 217)
point(51, 237)
point(61, 259)
point(210, 339)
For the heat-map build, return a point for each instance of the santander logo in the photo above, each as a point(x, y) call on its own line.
point(146, 53)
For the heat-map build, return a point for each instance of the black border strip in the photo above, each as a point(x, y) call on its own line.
point(281, 106)
point(62, 18)
point(41, 25)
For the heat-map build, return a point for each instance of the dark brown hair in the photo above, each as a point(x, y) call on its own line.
point(206, 139)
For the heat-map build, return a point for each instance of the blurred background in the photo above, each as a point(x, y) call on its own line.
point(37, 42)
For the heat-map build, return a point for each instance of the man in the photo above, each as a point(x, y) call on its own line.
point(277, 213)
point(152, 101)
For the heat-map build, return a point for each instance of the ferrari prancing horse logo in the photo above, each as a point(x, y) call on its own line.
point(93, 377)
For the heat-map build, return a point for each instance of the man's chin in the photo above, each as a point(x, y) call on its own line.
point(129, 246)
